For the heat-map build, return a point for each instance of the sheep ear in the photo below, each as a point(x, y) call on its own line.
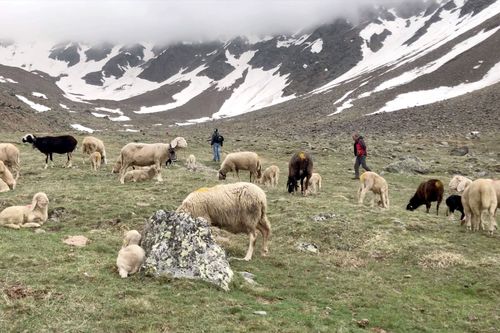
point(461, 186)
point(34, 203)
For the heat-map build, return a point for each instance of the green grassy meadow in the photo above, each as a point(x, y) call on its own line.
point(402, 271)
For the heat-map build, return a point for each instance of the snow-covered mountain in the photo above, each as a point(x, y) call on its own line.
point(395, 58)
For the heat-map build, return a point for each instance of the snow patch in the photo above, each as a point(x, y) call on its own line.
point(317, 46)
point(81, 128)
point(64, 106)
point(240, 65)
point(6, 80)
point(347, 104)
point(33, 105)
point(39, 95)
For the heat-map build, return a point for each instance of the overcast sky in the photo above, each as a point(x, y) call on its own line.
point(164, 21)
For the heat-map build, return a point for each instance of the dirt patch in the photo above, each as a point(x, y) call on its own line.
point(78, 241)
point(19, 291)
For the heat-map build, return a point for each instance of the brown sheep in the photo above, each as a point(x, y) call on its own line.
point(427, 192)
point(237, 208)
point(300, 167)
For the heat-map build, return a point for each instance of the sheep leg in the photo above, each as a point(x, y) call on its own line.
point(12, 226)
point(31, 225)
point(253, 238)
point(68, 163)
point(265, 231)
point(362, 193)
point(46, 161)
point(492, 224)
point(159, 177)
point(123, 272)
point(437, 208)
point(427, 207)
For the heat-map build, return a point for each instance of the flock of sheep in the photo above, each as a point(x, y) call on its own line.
point(238, 207)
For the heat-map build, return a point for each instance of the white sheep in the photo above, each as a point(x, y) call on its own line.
point(28, 216)
point(314, 185)
point(481, 196)
point(144, 154)
point(3, 187)
point(245, 160)
point(140, 175)
point(459, 183)
point(6, 177)
point(270, 176)
point(92, 144)
point(131, 256)
point(95, 160)
point(191, 162)
point(238, 208)
point(370, 181)
point(9, 155)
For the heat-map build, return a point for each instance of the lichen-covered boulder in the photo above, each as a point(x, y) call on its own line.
point(179, 246)
point(408, 164)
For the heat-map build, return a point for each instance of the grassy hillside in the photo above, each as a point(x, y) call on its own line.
point(402, 271)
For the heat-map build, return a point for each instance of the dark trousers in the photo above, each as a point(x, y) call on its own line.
point(360, 160)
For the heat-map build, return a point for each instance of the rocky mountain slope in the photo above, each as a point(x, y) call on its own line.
point(394, 58)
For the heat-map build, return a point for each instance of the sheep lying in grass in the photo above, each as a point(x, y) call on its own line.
point(270, 176)
point(95, 160)
point(92, 144)
point(6, 178)
point(131, 256)
point(29, 216)
point(459, 183)
point(314, 185)
point(141, 175)
point(191, 163)
point(244, 160)
point(238, 208)
point(478, 198)
point(9, 155)
point(370, 181)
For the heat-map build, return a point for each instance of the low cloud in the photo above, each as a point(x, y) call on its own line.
point(166, 21)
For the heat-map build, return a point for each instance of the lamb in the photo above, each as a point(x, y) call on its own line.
point(454, 203)
point(117, 166)
point(300, 167)
point(48, 145)
point(92, 144)
point(191, 163)
point(3, 187)
point(481, 196)
point(9, 155)
point(270, 176)
point(29, 216)
point(459, 183)
point(238, 208)
point(315, 182)
point(245, 160)
point(427, 192)
point(6, 178)
point(141, 175)
point(131, 256)
point(144, 154)
point(370, 181)
point(95, 160)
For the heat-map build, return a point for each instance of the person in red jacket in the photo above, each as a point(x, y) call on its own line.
point(360, 153)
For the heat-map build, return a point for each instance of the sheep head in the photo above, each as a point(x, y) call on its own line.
point(29, 138)
point(291, 184)
point(222, 176)
point(40, 199)
point(171, 154)
point(413, 204)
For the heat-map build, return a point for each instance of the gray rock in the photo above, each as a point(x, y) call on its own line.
point(248, 277)
point(323, 217)
point(307, 247)
point(260, 313)
point(408, 164)
point(179, 246)
point(39, 231)
point(459, 151)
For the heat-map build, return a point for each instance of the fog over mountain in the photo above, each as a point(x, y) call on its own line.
point(130, 21)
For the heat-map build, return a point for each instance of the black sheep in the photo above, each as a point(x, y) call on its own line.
point(64, 144)
point(427, 192)
point(454, 202)
point(300, 167)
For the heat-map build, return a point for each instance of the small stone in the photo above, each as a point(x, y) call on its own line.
point(307, 247)
point(78, 241)
point(460, 151)
point(248, 277)
point(260, 313)
point(363, 323)
point(407, 276)
point(39, 231)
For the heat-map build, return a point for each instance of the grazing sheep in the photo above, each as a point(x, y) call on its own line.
point(370, 181)
point(131, 256)
point(270, 176)
point(315, 183)
point(480, 196)
point(459, 183)
point(117, 166)
point(95, 160)
point(299, 167)
point(7, 177)
point(238, 208)
point(29, 216)
point(191, 163)
point(427, 192)
point(3, 187)
point(92, 144)
point(144, 154)
point(454, 203)
point(244, 160)
point(141, 175)
point(9, 155)
point(48, 145)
